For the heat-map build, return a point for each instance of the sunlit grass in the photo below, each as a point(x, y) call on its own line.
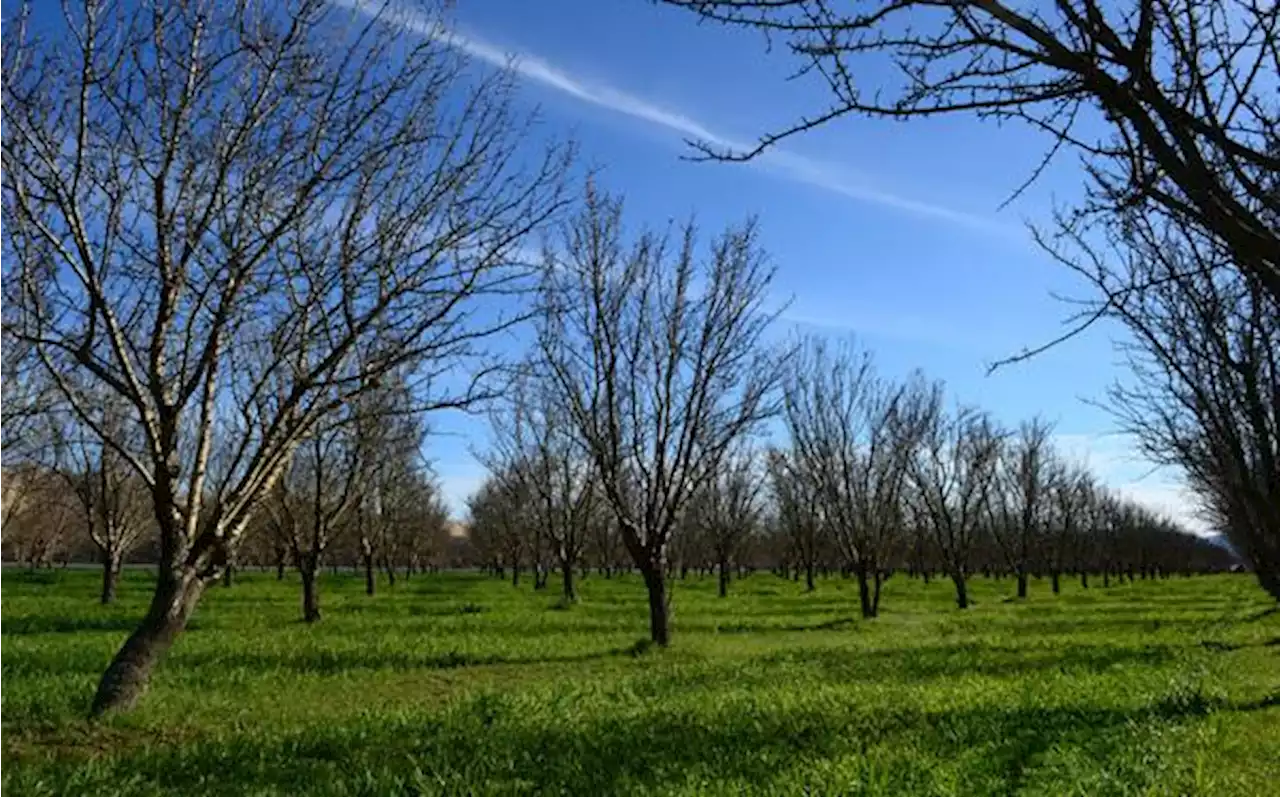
point(460, 684)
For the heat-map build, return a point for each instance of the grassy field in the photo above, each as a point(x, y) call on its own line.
point(459, 684)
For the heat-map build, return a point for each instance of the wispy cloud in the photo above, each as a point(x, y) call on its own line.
point(782, 162)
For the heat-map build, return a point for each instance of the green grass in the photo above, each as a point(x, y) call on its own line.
point(459, 684)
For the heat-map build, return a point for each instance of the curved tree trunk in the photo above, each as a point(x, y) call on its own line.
point(127, 676)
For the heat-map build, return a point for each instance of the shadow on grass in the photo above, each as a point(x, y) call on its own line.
point(334, 662)
point(942, 661)
point(37, 624)
point(490, 744)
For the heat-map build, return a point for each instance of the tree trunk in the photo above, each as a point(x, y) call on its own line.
point(310, 594)
point(515, 575)
point(1022, 584)
point(110, 576)
point(1056, 581)
point(864, 592)
point(655, 581)
point(808, 577)
point(566, 577)
point(1084, 579)
point(228, 575)
point(724, 577)
point(962, 590)
point(875, 597)
point(280, 567)
point(126, 677)
point(370, 575)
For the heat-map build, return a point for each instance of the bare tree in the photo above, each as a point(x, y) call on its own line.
point(313, 499)
point(656, 353)
point(1171, 101)
point(727, 510)
point(854, 435)
point(500, 520)
point(954, 474)
point(796, 513)
point(238, 217)
point(389, 435)
point(115, 507)
point(1020, 499)
point(1203, 348)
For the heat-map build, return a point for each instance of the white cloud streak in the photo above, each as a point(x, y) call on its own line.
point(779, 161)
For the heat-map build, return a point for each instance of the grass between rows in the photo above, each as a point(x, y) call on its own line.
point(459, 684)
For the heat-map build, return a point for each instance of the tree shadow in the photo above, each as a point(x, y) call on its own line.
point(490, 744)
point(41, 624)
point(927, 662)
point(337, 662)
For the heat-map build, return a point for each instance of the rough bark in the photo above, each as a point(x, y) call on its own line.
point(864, 593)
point(655, 582)
point(370, 575)
point(566, 574)
point(127, 676)
point(110, 576)
point(310, 592)
point(962, 590)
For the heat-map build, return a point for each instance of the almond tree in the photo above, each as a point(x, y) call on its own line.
point(311, 502)
point(115, 508)
point(727, 511)
point(953, 474)
point(796, 514)
point(1021, 497)
point(853, 437)
point(238, 217)
point(1171, 102)
point(655, 351)
point(1203, 347)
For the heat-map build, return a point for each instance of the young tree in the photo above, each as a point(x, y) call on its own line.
point(313, 498)
point(115, 508)
point(854, 435)
point(727, 511)
point(657, 355)
point(1071, 496)
point(1021, 496)
point(1170, 101)
point(237, 218)
point(953, 474)
point(796, 513)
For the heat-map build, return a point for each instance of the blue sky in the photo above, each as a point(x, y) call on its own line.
point(886, 231)
point(890, 232)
